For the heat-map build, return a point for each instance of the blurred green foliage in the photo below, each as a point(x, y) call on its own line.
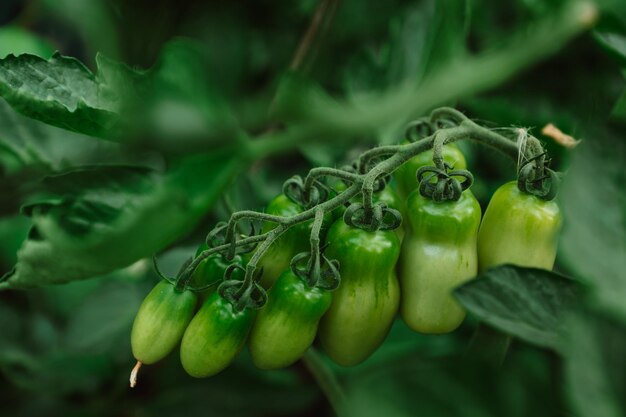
point(167, 83)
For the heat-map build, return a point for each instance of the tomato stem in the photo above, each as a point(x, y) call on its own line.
point(444, 125)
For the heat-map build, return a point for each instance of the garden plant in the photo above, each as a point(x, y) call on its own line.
point(350, 208)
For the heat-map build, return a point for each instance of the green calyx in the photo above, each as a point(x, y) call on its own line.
point(538, 180)
point(405, 174)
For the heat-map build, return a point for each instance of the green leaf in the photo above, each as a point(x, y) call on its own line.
point(614, 42)
point(524, 302)
point(26, 144)
point(60, 91)
point(425, 37)
point(618, 113)
point(619, 110)
point(610, 32)
point(593, 242)
point(182, 109)
point(104, 319)
point(594, 364)
point(30, 149)
point(96, 220)
point(298, 96)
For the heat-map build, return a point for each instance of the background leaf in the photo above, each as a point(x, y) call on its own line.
point(594, 363)
point(113, 308)
point(593, 242)
point(527, 303)
point(89, 222)
point(60, 91)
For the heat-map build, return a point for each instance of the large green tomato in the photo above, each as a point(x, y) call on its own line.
point(518, 229)
point(366, 302)
point(215, 336)
point(405, 174)
point(438, 254)
point(161, 321)
point(285, 328)
point(293, 241)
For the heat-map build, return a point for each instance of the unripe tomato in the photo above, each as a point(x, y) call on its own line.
point(215, 336)
point(366, 302)
point(211, 271)
point(293, 241)
point(405, 174)
point(438, 254)
point(520, 229)
point(161, 321)
point(285, 328)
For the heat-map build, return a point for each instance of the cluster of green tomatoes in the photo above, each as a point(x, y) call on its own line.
point(411, 270)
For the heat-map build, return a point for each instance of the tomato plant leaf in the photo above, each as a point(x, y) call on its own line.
point(114, 308)
point(525, 302)
point(593, 242)
point(59, 91)
point(27, 144)
point(425, 37)
point(181, 108)
point(173, 102)
point(618, 113)
point(610, 33)
point(594, 364)
point(95, 220)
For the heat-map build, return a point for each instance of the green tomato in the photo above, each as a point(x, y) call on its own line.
point(405, 174)
point(161, 321)
point(518, 229)
point(211, 271)
point(285, 328)
point(438, 254)
point(293, 241)
point(366, 302)
point(215, 336)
